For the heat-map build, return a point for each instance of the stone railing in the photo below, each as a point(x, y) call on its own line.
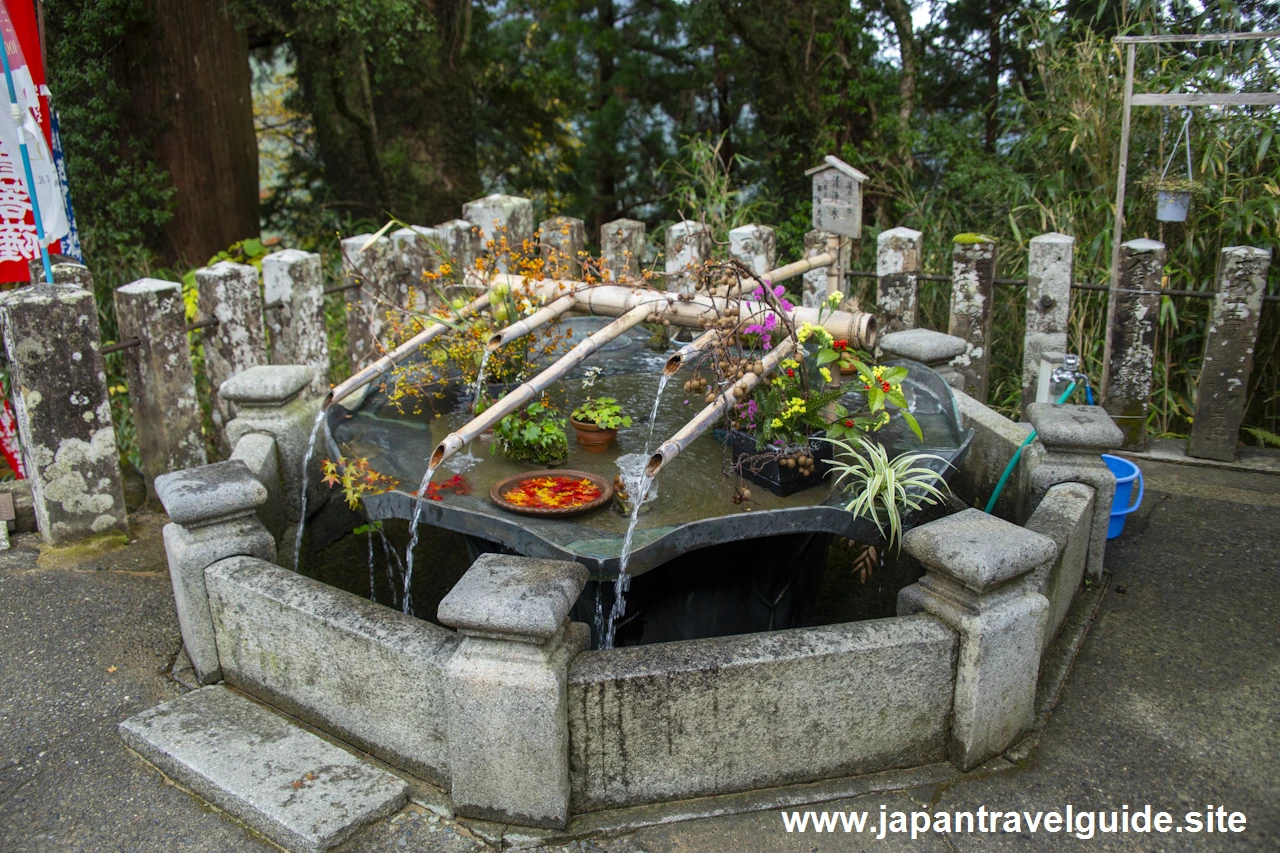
point(246, 320)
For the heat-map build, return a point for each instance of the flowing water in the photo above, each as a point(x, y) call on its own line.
point(653, 415)
point(306, 467)
point(391, 555)
point(623, 582)
point(372, 595)
point(406, 601)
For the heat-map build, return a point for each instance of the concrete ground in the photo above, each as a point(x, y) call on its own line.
point(1174, 701)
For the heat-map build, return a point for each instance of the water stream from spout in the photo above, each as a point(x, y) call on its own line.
point(623, 581)
point(653, 415)
point(395, 568)
point(373, 595)
point(306, 468)
point(406, 601)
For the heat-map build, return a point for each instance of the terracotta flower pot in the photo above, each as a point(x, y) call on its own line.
point(592, 438)
point(847, 369)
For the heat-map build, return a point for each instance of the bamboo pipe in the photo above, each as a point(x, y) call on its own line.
point(528, 391)
point(678, 358)
point(523, 327)
point(399, 354)
point(671, 448)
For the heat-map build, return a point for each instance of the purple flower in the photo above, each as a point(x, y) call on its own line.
point(768, 342)
point(770, 322)
point(753, 329)
point(786, 306)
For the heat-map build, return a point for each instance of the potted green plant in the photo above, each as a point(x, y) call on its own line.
point(597, 422)
point(534, 434)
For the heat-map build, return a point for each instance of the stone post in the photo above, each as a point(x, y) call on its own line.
point(506, 221)
point(271, 400)
point(63, 411)
point(418, 249)
point(229, 293)
point(506, 688)
point(1050, 268)
point(814, 287)
point(462, 243)
point(66, 270)
point(976, 581)
point(563, 243)
point(295, 280)
point(211, 513)
point(1132, 313)
point(755, 246)
point(622, 245)
point(162, 385)
point(382, 289)
point(898, 254)
point(1228, 352)
point(1074, 439)
point(973, 271)
point(688, 248)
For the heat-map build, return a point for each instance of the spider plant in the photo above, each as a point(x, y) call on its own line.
point(883, 488)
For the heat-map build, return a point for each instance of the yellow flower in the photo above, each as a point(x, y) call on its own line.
point(790, 362)
point(826, 374)
point(802, 334)
point(777, 423)
point(835, 298)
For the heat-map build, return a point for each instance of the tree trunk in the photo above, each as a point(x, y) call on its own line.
point(900, 13)
point(192, 86)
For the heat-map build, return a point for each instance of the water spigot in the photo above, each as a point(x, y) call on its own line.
point(1070, 372)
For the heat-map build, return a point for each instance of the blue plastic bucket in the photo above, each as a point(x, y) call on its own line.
point(1126, 472)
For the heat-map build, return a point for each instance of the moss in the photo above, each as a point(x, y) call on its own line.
point(968, 238)
point(65, 556)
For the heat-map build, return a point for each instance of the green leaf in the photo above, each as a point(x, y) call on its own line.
point(531, 432)
point(826, 356)
point(913, 423)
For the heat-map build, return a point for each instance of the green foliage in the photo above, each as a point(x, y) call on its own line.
point(534, 434)
point(122, 199)
point(604, 412)
point(881, 486)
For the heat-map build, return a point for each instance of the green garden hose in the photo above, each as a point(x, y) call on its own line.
point(1008, 469)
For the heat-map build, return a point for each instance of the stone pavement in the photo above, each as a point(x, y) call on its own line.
point(1174, 700)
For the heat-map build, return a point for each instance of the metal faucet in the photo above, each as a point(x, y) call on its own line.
point(1069, 372)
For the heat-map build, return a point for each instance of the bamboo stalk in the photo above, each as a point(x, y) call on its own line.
point(523, 327)
point(680, 356)
point(707, 418)
point(527, 392)
point(399, 354)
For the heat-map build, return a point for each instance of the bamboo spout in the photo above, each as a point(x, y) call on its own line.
point(400, 353)
point(688, 351)
point(523, 327)
point(705, 419)
point(527, 392)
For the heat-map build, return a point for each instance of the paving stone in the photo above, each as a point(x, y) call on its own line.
point(285, 782)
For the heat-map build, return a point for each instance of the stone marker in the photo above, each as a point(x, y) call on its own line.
point(898, 254)
point(211, 510)
point(63, 411)
point(382, 290)
point(973, 270)
point(271, 400)
point(755, 246)
point(506, 688)
point(974, 565)
point(506, 226)
point(299, 790)
point(418, 248)
point(463, 243)
point(1131, 334)
point(815, 282)
point(688, 248)
point(65, 269)
point(1050, 268)
point(1228, 352)
point(162, 385)
point(1074, 438)
point(229, 293)
point(295, 280)
point(622, 245)
point(563, 243)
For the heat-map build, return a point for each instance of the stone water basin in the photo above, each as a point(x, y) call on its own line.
point(693, 509)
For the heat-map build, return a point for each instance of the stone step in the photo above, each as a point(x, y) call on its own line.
point(299, 790)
